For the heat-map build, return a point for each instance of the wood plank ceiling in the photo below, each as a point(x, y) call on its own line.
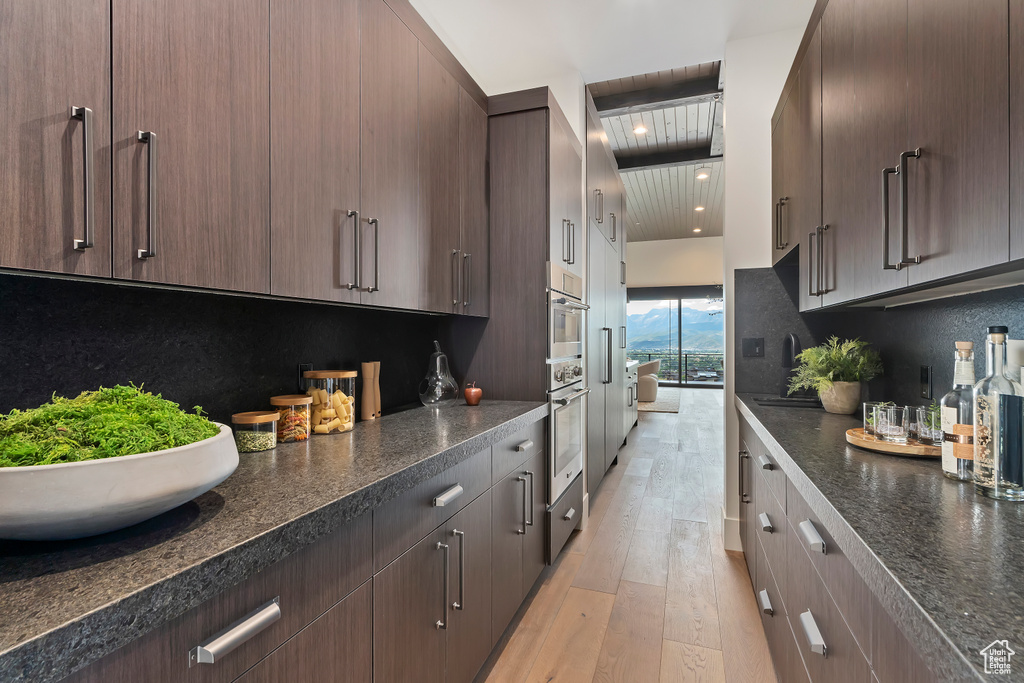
point(662, 201)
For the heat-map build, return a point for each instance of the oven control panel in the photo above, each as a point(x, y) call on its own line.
point(565, 372)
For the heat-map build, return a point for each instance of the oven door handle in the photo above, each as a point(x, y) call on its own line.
point(571, 397)
point(568, 303)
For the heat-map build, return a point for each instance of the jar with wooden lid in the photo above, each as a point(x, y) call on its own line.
point(255, 431)
point(333, 395)
point(292, 417)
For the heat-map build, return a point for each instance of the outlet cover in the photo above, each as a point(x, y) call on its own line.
point(753, 347)
point(926, 381)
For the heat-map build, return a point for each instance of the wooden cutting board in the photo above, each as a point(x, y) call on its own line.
point(911, 449)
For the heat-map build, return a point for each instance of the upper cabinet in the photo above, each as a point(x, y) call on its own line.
point(913, 138)
point(314, 179)
point(603, 183)
point(191, 144)
point(475, 236)
point(567, 244)
point(55, 136)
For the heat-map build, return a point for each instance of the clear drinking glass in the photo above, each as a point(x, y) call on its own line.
point(929, 425)
point(891, 423)
point(869, 416)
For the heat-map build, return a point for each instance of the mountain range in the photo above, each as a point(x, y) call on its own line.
point(656, 329)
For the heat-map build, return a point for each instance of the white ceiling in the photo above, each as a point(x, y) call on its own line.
point(503, 43)
point(662, 202)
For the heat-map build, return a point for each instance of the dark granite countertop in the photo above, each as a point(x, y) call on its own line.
point(946, 564)
point(67, 604)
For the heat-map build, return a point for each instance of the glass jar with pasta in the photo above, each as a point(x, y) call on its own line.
point(334, 401)
point(293, 417)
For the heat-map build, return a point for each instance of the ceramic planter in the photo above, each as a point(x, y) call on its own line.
point(843, 398)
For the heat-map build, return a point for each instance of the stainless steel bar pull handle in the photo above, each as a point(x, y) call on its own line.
point(609, 357)
point(622, 342)
point(148, 138)
point(357, 260)
point(569, 515)
point(905, 259)
point(766, 603)
point(524, 446)
point(448, 496)
point(766, 523)
point(522, 531)
point(783, 228)
point(565, 240)
point(886, 172)
point(765, 463)
point(84, 114)
point(571, 397)
point(375, 287)
point(822, 289)
point(614, 227)
point(569, 303)
point(812, 537)
point(442, 623)
point(532, 500)
point(622, 275)
point(214, 649)
point(572, 243)
point(599, 205)
point(455, 277)
point(777, 241)
point(467, 278)
point(810, 262)
point(461, 603)
point(744, 496)
point(813, 634)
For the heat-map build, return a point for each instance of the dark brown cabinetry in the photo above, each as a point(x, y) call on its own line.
point(475, 237)
point(55, 177)
point(314, 179)
point(1016, 129)
point(566, 226)
point(469, 627)
point(191, 169)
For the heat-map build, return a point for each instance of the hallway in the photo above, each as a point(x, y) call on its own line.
point(647, 591)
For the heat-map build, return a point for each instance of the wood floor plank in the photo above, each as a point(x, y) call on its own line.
point(526, 642)
point(744, 647)
point(647, 560)
point(599, 504)
point(602, 566)
point(684, 663)
point(689, 500)
point(662, 480)
point(639, 467)
point(692, 608)
point(632, 644)
point(574, 641)
point(655, 513)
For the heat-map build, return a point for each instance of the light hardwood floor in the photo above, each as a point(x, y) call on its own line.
point(647, 592)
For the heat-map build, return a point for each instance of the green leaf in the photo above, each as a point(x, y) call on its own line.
point(852, 360)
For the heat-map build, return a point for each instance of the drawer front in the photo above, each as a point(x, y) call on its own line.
point(843, 660)
point(893, 658)
point(513, 451)
point(772, 611)
point(766, 464)
point(847, 588)
point(766, 508)
point(400, 524)
point(563, 517)
point(795, 670)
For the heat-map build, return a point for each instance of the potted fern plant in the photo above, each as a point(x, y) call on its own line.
point(836, 370)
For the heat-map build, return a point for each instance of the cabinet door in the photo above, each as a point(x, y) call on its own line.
point(1016, 129)
point(615, 314)
point(597, 357)
point(389, 170)
point(802, 212)
point(196, 197)
point(55, 55)
point(474, 215)
point(335, 647)
point(533, 541)
point(560, 243)
point(778, 151)
point(863, 130)
point(469, 631)
point(507, 529)
point(959, 192)
point(314, 148)
point(572, 185)
point(439, 187)
point(408, 604)
point(596, 164)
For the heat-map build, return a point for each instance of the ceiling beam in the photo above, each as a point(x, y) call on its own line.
point(677, 157)
point(660, 97)
point(717, 128)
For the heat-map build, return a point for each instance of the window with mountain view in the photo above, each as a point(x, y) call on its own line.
point(686, 335)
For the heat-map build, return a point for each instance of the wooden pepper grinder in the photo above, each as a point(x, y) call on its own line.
point(370, 407)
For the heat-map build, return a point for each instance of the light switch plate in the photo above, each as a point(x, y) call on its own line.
point(753, 347)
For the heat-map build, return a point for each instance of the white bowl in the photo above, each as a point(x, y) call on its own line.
point(77, 499)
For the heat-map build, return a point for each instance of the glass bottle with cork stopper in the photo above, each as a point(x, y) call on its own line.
point(998, 422)
point(957, 414)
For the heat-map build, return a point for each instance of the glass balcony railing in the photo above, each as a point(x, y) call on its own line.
point(683, 368)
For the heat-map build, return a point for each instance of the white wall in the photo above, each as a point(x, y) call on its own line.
point(755, 71)
point(667, 263)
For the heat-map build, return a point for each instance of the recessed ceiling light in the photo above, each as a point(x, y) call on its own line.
point(702, 173)
point(696, 229)
point(640, 130)
point(698, 208)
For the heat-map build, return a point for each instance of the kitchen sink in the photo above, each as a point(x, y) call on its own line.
point(795, 402)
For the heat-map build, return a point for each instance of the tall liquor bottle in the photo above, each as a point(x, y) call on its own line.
point(957, 411)
point(998, 417)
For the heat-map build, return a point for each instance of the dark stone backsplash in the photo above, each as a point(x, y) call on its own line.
point(225, 353)
point(907, 336)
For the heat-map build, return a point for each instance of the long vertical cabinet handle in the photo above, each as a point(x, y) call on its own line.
point(599, 206)
point(822, 287)
point(356, 264)
point(522, 531)
point(532, 500)
point(777, 241)
point(442, 623)
point(572, 243)
point(375, 222)
point(608, 366)
point(467, 278)
point(461, 603)
point(622, 344)
point(622, 273)
point(614, 226)
point(783, 228)
point(905, 259)
point(455, 277)
point(84, 114)
point(565, 240)
point(811, 256)
point(148, 138)
point(744, 496)
point(886, 172)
